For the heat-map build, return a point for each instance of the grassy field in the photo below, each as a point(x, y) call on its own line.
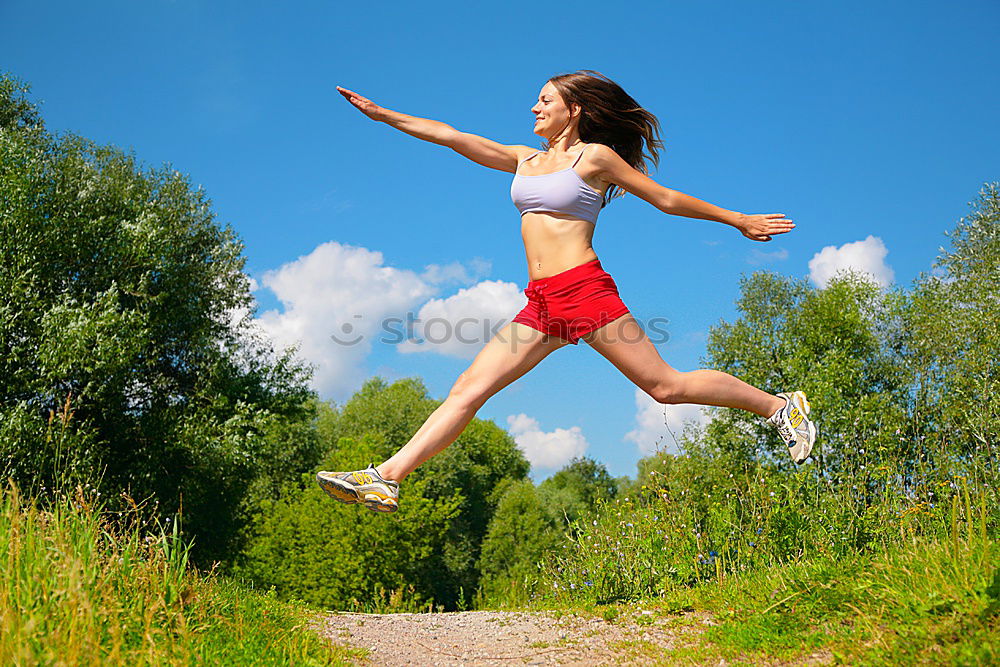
point(84, 586)
point(890, 569)
point(925, 603)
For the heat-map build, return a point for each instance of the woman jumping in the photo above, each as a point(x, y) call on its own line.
point(594, 133)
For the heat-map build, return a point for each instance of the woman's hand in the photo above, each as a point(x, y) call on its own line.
point(760, 226)
point(364, 105)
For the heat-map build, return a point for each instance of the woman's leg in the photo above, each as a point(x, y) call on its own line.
point(624, 344)
point(514, 351)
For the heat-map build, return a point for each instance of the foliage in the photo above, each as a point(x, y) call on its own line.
point(523, 532)
point(577, 488)
point(345, 557)
point(955, 320)
point(17, 113)
point(531, 522)
point(128, 356)
point(85, 584)
point(839, 344)
point(309, 546)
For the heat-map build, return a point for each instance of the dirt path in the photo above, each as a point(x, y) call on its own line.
point(497, 638)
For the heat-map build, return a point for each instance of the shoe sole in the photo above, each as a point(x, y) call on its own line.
point(337, 491)
point(812, 426)
point(376, 504)
point(812, 439)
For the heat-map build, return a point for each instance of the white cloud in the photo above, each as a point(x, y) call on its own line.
point(655, 422)
point(461, 324)
point(456, 271)
point(867, 256)
point(761, 257)
point(336, 299)
point(546, 450)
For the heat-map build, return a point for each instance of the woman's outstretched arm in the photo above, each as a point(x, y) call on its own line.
point(613, 169)
point(422, 128)
point(478, 149)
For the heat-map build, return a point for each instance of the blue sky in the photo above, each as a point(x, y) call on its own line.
point(871, 124)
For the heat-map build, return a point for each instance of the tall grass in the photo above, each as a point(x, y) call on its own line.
point(884, 550)
point(81, 584)
point(695, 518)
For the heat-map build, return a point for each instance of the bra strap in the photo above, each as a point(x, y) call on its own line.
point(530, 156)
point(579, 156)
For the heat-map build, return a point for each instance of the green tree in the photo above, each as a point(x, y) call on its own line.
point(843, 345)
point(377, 420)
point(120, 323)
point(338, 556)
point(522, 533)
point(955, 320)
point(577, 488)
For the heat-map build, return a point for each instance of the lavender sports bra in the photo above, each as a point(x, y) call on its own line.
point(562, 191)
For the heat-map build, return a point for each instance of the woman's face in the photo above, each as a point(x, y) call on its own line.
point(552, 115)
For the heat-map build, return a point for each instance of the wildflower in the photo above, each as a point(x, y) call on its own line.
point(629, 525)
point(753, 544)
point(588, 583)
point(772, 494)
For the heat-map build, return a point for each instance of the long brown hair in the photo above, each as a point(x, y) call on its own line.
point(611, 117)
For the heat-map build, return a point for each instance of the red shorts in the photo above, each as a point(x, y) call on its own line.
point(572, 303)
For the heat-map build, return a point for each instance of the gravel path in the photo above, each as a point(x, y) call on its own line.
point(497, 638)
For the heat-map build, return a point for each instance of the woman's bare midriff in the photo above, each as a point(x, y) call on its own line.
point(554, 242)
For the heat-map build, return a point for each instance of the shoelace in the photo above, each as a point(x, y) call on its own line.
point(362, 477)
point(538, 294)
point(785, 431)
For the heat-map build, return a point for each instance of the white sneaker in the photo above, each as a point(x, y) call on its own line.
point(794, 425)
point(361, 486)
